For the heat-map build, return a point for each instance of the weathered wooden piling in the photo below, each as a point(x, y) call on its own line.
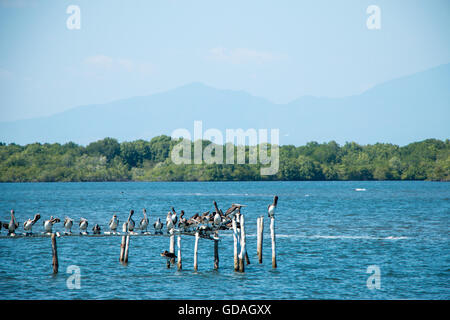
point(242, 254)
point(122, 244)
point(127, 246)
point(179, 262)
point(196, 251)
point(235, 244)
point(172, 246)
point(216, 251)
point(272, 234)
point(54, 254)
point(260, 237)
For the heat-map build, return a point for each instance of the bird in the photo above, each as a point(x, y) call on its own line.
point(96, 229)
point(217, 219)
point(83, 225)
point(113, 223)
point(169, 221)
point(158, 226)
point(48, 224)
point(183, 221)
point(68, 223)
point(130, 221)
point(235, 208)
point(144, 221)
point(28, 225)
point(12, 225)
point(271, 208)
point(174, 217)
point(168, 255)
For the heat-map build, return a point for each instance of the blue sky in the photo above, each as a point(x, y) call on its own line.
point(279, 50)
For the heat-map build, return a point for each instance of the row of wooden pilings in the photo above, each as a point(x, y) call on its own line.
point(239, 246)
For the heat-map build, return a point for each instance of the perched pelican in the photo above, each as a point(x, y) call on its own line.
point(48, 224)
point(130, 221)
point(28, 225)
point(174, 217)
point(96, 229)
point(12, 225)
point(158, 226)
point(217, 219)
point(183, 221)
point(83, 225)
point(169, 221)
point(113, 223)
point(68, 223)
point(144, 221)
point(271, 207)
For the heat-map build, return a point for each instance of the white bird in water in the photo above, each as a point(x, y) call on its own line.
point(271, 208)
point(12, 225)
point(68, 223)
point(144, 221)
point(83, 225)
point(28, 225)
point(48, 224)
point(158, 226)
point(113, 223)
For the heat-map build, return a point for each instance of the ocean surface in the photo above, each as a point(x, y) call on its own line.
point(328, 234)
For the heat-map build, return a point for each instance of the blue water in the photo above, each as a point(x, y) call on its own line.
point(327, 235)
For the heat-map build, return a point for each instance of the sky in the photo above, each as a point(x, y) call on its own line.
point(278, 50)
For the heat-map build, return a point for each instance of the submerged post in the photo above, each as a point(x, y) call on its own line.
point(196, 251)
point(216, 251)
point(243, 251)
point(54, 254)
point(179, 262)
point(235, 244)
point(260, 237)
point(272, 234)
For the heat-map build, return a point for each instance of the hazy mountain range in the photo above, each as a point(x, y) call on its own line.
point(400, 111)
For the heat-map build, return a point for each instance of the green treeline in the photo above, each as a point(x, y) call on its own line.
point(109, 160)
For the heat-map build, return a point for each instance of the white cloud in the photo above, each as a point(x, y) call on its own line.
point(241, 55)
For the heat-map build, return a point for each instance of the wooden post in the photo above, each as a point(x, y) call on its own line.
point(242, 254)
point(195, 252)
point(55, 254)
point(216, 252)
point(272, 234)
point(172, 246)
point(127, 246)
point(235, 247)
point(260, 238)
point(179, 252)
point(122, 244)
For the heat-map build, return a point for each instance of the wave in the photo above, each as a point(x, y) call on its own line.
point(360, 189)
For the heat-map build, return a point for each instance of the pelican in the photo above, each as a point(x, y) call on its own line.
point(144, 221)
point(28, 225)
point(168, 255)
point(169, 221)
point(113, 223)
point(48, 224)
point(96, 229)
point(183, 221)
point(217, 219)
point(158, 226)
point(68, 223)
point(12, 225)
point(131, 221)
point(271, 207)
point(174, 216)
point(83, 225)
